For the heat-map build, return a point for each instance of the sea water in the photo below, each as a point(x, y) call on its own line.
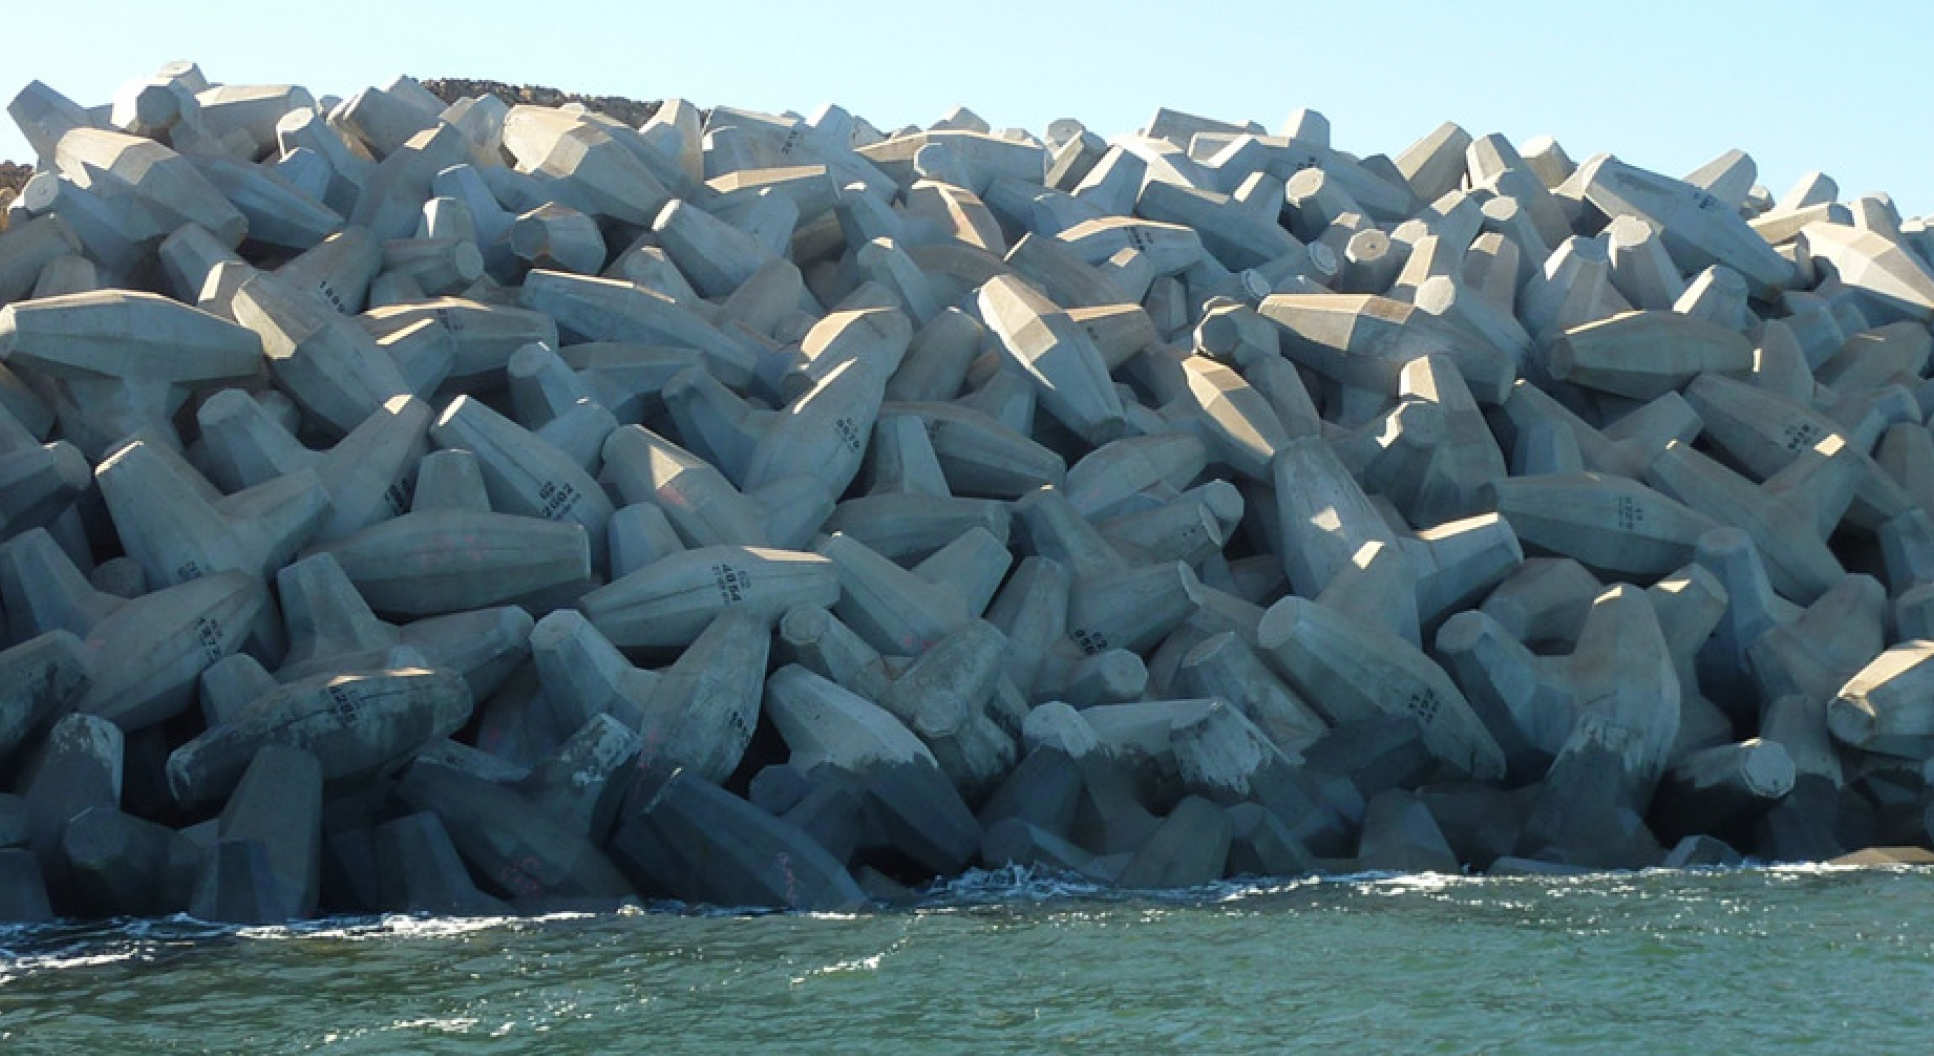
point(1813, 959)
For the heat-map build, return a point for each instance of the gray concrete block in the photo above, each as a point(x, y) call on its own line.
point(916, 806)
point(670, 602)
point(1261, 844)
point(1399, 835)
point(121, 865)
point(1382, 675)
point(698, 842)
point(1721, 788)
point(278, 806)
point(1190, 846)
point(237, 885)
point(704, 707)
point(77, 766)
point(514, 848)
point(583, 781)
point(358, 725)
point(1694, 852)
point(433, 561)
point(1109, 816)
point(1801, 827)
point(23, 894)
point(1044, 790)
point(421, 872)
point(1015, 841)
point(40, 675)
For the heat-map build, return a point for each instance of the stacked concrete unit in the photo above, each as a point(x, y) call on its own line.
point(448, 505)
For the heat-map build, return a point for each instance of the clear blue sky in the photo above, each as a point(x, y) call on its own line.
point(1799, 86)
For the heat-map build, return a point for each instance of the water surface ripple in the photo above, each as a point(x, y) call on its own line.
point(1775, 960)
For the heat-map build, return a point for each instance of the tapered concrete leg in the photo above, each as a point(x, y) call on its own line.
point(816, 640)
point(581, 783)
point(1717, 789)
point(944, 697)
point(1014, 841)
point(79, 766)
point(432, 561)
point(237, 885)
point(39, 676)
point(703, 709)
point(1109, 817)
point(278, 806)
point(1885, 707)
point(23, 894)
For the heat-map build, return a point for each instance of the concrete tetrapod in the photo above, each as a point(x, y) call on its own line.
point(1533, 704)
point(451, 553)
point(330, 366)
point(581, 782)
point(1056, 355)
point(516, 849)
point(331, 629)
point(117, 362)
point(915, 805)
point(671, 601)
point(524, 475)
point(367, 475)
point(40, 675)
point(698, 500)
point(1327, 520)
point(178, 533)
point(357, 725)
point(161, 642)
point(1360, 671)
point(1590, 802)
point(1698, 228)
point(1885, 707)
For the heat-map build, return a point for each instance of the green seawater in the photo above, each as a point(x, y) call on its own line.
point(1748, 961)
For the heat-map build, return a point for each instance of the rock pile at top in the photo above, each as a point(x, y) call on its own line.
point(13, 177)
point(475, 506)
